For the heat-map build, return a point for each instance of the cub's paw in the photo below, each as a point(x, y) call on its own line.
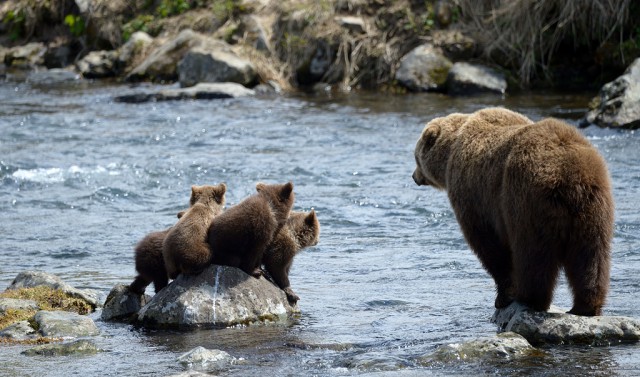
point(292, 297)
point(503, 300)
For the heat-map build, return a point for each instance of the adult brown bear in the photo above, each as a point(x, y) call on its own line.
point(530, 198)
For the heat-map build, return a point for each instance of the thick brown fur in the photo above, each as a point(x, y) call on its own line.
point(239, 236)
point(301, 230)
point(530, 198)
point(150, 263)
point(185, 249)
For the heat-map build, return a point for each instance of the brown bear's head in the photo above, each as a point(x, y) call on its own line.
point(305, 227)
point(280, 198)
point(432, 150)
point(211, 196)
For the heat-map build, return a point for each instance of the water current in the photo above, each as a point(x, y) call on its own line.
point(83, 178)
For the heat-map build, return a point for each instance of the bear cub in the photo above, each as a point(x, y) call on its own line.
point(150, 263)
point(239, 236)
point(185, 249)
point(301, 230)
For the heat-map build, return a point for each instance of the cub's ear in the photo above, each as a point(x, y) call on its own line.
point(195, 194)
point(181, 213)
point(287, 189)
point(222, 188)
point(260, 186)
point(310, 219)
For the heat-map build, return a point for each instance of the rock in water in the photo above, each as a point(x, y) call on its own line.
point(557, 327)
point(219, 296)
point(122, 304)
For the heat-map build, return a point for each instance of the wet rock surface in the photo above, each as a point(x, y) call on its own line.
point(557, 327)
point(219, 296)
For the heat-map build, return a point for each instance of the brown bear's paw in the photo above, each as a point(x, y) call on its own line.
point(503, 300)
point(292, 297)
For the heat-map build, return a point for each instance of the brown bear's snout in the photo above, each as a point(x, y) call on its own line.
point(418, 178)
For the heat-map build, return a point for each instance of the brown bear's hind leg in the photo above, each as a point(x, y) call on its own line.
point(535, 273)
point(588, 275)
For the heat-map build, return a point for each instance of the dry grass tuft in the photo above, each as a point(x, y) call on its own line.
point(527, 33)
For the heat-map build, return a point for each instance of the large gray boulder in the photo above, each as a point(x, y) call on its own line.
point(162, 63)
point(469, 79)
point(199, 91)
point(214, 63)
point(617, 104)
point(423, 69)
point(504, 346)
point(30, 279)
point(97, 64)
point(557, 327)
point(59, 324)
point(219, 296)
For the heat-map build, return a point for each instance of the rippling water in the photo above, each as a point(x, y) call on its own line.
point(82, 179)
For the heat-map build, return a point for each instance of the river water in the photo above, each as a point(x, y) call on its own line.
point(83, 178)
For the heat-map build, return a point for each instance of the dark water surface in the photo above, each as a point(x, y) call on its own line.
point(82, 179)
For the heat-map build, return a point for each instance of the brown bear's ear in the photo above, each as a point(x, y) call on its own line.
point(310, 219)
point(430, 135)
point(260, 186)
point(181, 213)
point(286, 190)
point(222, 188)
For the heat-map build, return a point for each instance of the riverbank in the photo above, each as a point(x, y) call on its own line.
point(382, 45)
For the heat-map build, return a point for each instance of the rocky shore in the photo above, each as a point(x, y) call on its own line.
point(263, 45)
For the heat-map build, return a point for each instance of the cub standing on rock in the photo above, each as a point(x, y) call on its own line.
point(185, 249)
point(301, 230)
point(239, 236)
point(530, 198)
point(150, 263)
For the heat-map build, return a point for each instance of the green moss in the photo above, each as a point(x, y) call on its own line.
point(49, 299)
point(11, 316)
point(15, 21)
point(140, 23)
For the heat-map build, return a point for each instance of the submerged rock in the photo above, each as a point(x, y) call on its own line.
point(30, 279)
point(201, 358)
point(618, 102)
point(200, 91)
point(219, 296)
point(506, 346)
point(425, 68)
point(59, 324)
point(557, 327)
point(78, 347)
point(122, 303)
point(468, 79)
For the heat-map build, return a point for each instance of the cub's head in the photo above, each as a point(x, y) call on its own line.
point(280, 198)
point(305, 227)
point(433, 149)
point(211, 196)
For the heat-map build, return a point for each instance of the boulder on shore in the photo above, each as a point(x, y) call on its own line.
point(557, 327)
point(425, 68)
point(617, 105)
point(469, 79)
point(220, 296)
